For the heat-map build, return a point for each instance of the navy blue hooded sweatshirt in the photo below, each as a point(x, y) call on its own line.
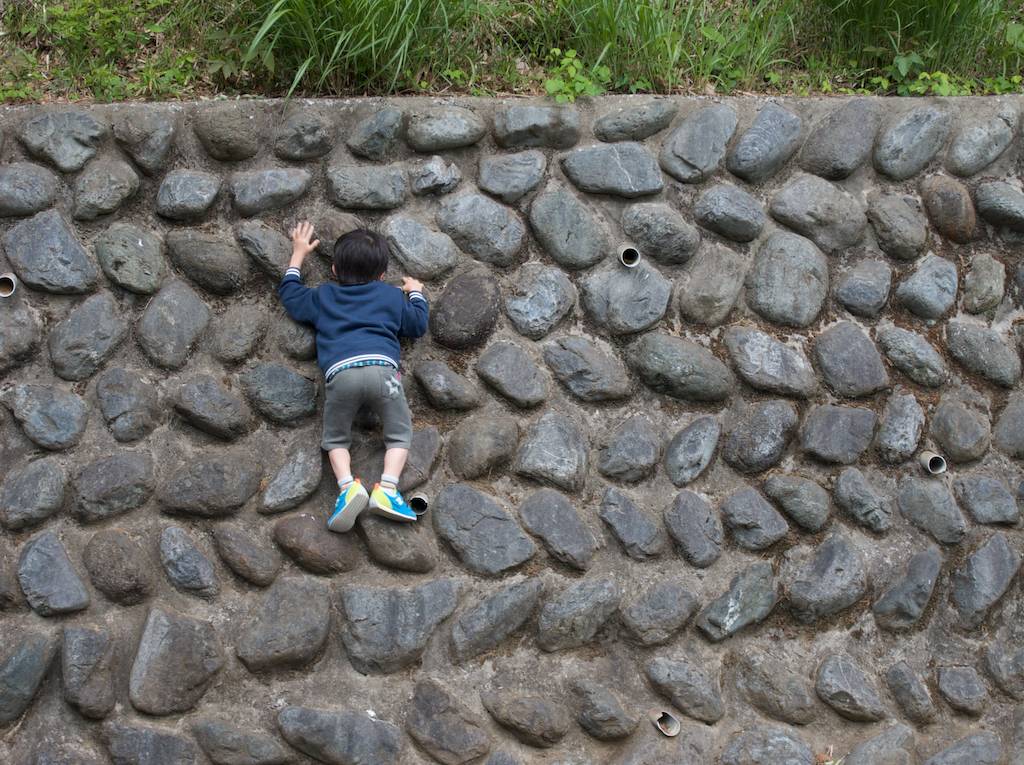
point(354, 322)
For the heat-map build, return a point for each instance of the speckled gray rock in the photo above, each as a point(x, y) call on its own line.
point(52, 418)
point(983, 351)
point(574, 616)
point(788, 282)
point(961, 428)
point(46, 255)
point(228, 131)
point(51, 585)
point(31, 493)
point(624, 169)
point(103, 187)
point(837, 434)
point(146, 135)
point(25, 662)
point(213, 260)
point(143, 744)
point(980, 140)
point(636, 121)
point(766, 746)
point(445, 388)
point(548, 515)
point(850, 364)
point(910, 693)
point(118, 567)
point(303, 135)
point(659, 612)
point(86, 658)
point(280, 394)
point(269, 249)
point(375, 136)
point(984, 284)
point(289, 627)
point(894, 746)
point(482, 533)
point(187, 567)
point(114, 485)
point(485, 229)
point(759, 435)
point(774, 689)
point(931, 290)
point(510, 177)
point(211, 485)
point(751, 596)
point(1009, 431)
point(982, 748)
point(296, 479)
point(464, 315)
point(660, 233)
point(302, 539)
point(845, 687)
point(632, 450)
point(525, 126)
point(693, 151)
point(899, 429)
point(387, 628)
point(696, 528)
point(983, 578)
point(603, 713)
point(129, 405)
point(901, 606)
point(255, 562)
point(591, 373)
point(186, 195)
point(538, 297)
point(730, 212)
point(494, 618)
point(680, 368)
point(257, 191)
point(366, 187)
point(442, 128)
point(930, 506)
point(423, 253)
point(710, 283)
point(20, 335)
point(855, 495)
point(830, 217)
point(67, 138)
point(171, 324)
point(25, 189)
point(207, 405)
point(626, 302)
point(568, 229)
point(913, 355)
point(986, 499)
point(831, 580)
point(688, 685)
point(963, 689)
point(899, 223)
point(554, 434)
point(444, 726)
point(766, 145)
point(1000, 204)
point(534, 720)
point(340, 738)
point(769, 365)
point(864, 289)
point(1004, 661)
point(690, 451)
point(511, 371)
point(640, 535)
point(401, 546)
point(482, 444)
point(225, 743)
point(907, 144)
point(801, 499)
point(131, 257)
point(949, 207)
point(841, 141)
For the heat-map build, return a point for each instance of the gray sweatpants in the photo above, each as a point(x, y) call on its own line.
point(376, 387)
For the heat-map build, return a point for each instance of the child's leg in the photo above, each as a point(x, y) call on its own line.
point(396, 422)
point(341, 464)
point(342, 397)
point(394, 463)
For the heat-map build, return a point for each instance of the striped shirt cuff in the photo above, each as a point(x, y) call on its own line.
point(416, 295)
point(293, 272)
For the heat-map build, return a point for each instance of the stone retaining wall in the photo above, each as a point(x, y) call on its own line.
point(690, 485)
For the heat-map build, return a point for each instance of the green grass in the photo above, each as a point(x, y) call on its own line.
point(117, 49)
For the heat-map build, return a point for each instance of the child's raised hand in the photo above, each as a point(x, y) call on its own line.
point(411, 285)
point(302, 240)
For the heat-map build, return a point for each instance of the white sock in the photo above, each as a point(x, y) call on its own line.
point(389, 482)
point(344, 481)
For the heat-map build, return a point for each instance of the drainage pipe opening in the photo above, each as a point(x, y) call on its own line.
point(933, 464)
point(8, 284)
point(665, 722)
point(419, 503)
point(629, 256)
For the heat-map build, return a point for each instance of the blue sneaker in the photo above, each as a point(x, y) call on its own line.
point(350, 504)
point(390, 505)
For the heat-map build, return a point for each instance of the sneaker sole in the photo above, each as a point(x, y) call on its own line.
point(345, 519)
point(390, 514)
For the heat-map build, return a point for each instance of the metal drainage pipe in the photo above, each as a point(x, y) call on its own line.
point(932, 463)
point(419, 503)
point(629, 256)
point(665, 722)
point(8, 284)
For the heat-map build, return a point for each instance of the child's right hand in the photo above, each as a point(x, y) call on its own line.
point(411, 285)
point(302, 241)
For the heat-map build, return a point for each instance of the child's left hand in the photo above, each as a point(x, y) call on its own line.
point(302, 241)
point(411, 285)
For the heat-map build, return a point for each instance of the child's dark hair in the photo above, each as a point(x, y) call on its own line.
point(360, 256)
